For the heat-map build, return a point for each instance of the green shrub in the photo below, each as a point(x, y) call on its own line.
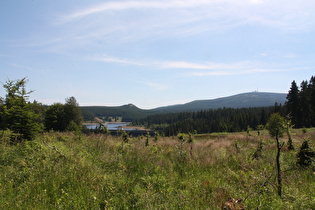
point(306, 155)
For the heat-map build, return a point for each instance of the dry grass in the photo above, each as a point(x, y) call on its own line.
point(101, 172)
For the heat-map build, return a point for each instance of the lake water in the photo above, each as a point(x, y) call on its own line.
point(109, 126)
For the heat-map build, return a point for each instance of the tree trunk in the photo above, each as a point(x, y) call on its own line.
point(278, 167)
point(290, 142)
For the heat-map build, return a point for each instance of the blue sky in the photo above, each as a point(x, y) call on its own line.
point(155, 52)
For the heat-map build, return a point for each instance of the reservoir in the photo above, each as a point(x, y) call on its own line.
point(111, 126)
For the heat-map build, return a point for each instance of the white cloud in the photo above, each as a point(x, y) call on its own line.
point(109, 59)
point(240, 71)
point(207, 65)
point(263, 11)
point(120, 22)
point(117, 6)
point(184, 65)
point(209, 68)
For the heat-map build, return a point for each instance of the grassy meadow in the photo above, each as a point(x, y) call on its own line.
point(71, 171)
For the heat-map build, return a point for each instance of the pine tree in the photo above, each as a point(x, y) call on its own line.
point(293, 103)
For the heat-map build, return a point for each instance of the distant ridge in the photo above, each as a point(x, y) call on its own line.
point(131, 112)
point(243, 100)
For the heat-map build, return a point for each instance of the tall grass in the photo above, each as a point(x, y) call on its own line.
point(64, 171)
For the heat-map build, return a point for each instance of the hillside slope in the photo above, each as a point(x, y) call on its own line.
point(243, 100)
point(130, 112)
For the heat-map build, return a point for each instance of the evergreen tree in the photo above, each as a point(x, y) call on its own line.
point(311, 88)
point(72, 111)
point(292, 103)
point(19, 115)
point(306, 155)
point(304, 105)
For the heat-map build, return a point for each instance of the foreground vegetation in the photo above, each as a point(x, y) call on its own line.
point(74, 171)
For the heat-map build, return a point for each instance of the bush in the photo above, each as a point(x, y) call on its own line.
point(306, 155)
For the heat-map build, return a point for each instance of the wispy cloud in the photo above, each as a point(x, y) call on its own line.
point(117, 6)
point(236, 72)
point(109, 59)
point(248, 70)
point(223, 69)
point(263, 11)
point(208, 68)
point(121, 22)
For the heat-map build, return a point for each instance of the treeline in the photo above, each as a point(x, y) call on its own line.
point(128, 112)
point(299, 108)
point(301, 103)
point(213, 120)
point(25, 119)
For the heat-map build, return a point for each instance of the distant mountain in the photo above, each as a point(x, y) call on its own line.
point(130, 112)
point(243, 100)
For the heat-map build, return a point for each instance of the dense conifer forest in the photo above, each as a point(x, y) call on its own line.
point(301, 103)
point(300, 108)
point(208, 121)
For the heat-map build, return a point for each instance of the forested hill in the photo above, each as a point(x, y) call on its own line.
point(243, 100)
point(130, 112)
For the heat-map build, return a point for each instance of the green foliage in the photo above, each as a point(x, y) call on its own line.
point(124, 136)
point(73, 127)
point(288, 126)
point(72, 111)
point(258, 152)
point(301, 103)
point(127, 112)
point(190, 138)
point(260, 128)
point(54, 118)
point(156, 136)
point(182, 137)
point(293, 102)
point(19, 115)
point(147, 138)
point(219, 120)
point(275, 125)
point(276, 128)
point(306, 156)
point(59, 116)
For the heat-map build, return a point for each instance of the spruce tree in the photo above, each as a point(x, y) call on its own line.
point(311, 88)
point(293, 103)
point(304, 105)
